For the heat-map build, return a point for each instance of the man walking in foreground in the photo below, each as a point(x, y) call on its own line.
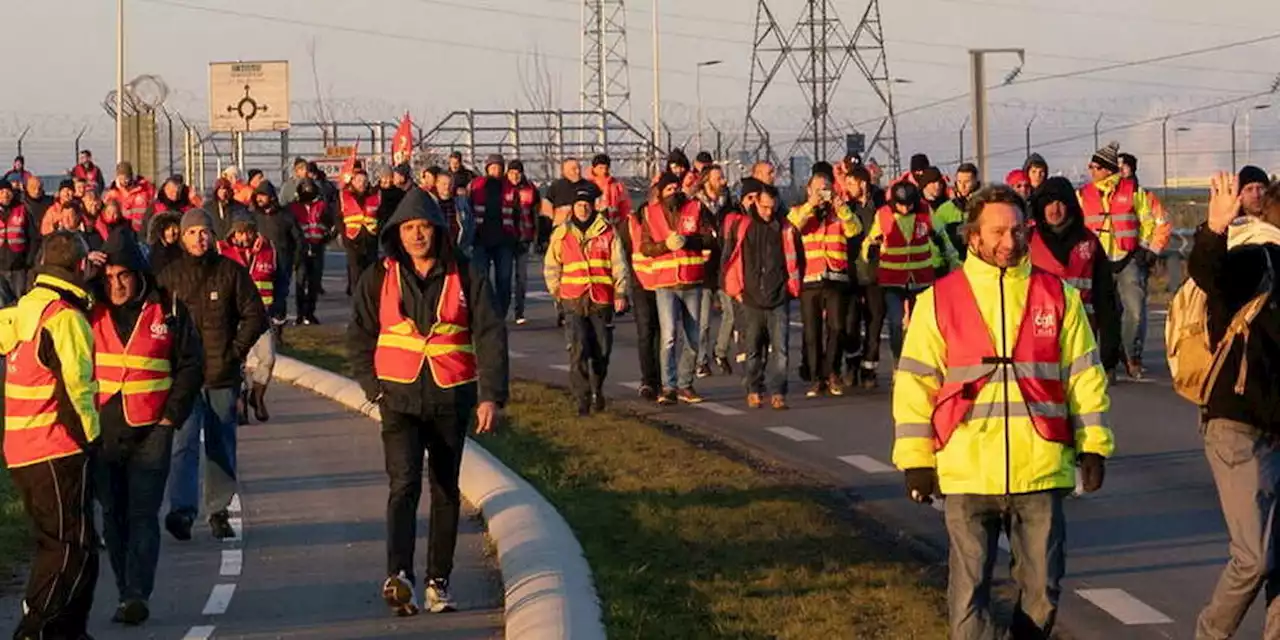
point(998, 425)
point(428, 346)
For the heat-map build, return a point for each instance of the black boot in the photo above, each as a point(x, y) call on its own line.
point(258, 399)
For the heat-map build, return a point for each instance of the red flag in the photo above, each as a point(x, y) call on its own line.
point(349, 165)
point(402, 145)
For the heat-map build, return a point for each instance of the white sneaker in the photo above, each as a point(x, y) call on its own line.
point(439, 600)
point(398, 593)
point(520, 320)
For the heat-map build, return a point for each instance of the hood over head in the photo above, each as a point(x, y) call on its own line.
point(1056, 189)
point(416, 205)
point(122, 250)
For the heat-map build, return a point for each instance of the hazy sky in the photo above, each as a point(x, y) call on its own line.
point(376, 58)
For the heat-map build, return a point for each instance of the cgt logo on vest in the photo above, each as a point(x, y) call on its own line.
point(921, 228)
point(1045, 322)
point(159, 331)
point(1085, 251)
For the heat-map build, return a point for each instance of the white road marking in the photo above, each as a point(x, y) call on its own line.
point(237, 525)
point(234, 507)
point(718, 409)
point(634, 386)
point(516, 355)
point(199, 633)
point(1003, 542)
point(1123, 607)
point(219, 599)
point(794, 434)
point(232, 562)
point(867, 464)
point(561, 367)
point(537, 295)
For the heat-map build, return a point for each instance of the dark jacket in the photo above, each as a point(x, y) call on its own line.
point(278, 226)
point(489, 231)
point(866, 214)
point(1230, 279)
point(221, 214)
point(37, 206)
point(1061, 242)
point(225, 309)
point(420, 299)
point(716, 211)
point(391, 197)
point(704, 239)
point(764, 262)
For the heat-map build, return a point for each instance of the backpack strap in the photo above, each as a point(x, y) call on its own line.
point(1239, 326)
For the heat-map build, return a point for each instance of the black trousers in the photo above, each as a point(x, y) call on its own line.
point(361, 254)
point(644, 305)
point(440, 434)
point(822, 311)
point(310, 277)
point(865, 322)
point(590, 346)
point(57, 496)
point(130, 474)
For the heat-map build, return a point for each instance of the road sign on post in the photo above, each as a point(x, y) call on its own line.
point(249, 96)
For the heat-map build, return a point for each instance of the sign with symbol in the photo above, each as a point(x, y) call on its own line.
point(249, 96)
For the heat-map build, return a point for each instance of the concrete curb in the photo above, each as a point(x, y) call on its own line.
point(549, 591)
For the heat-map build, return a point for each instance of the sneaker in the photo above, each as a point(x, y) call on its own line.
point(688, 396)
point(520, 320)
point(814, 391)
point(834, 387)
point(597, 402)
point(313, 320)
point(301, 321)
point(868, 375)
point(220, 525)
point(131, 613)
point(668, 397)
point(398, 593)
point(439, 600)
point(725, 367)
point(754, 401)
point(178, 524)
point(648, 393)
point(703, 371)
point(1135, 369)
point(779, 403)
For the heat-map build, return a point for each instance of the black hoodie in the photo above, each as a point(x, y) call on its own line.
point(419, 298)
point(1062, 241)
point(277, 225)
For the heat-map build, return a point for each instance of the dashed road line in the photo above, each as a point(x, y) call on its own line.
point(1003, 542)
point(537, 295)
point(232, 562)
point(561, 367)
point(234, 507)
point(237, 525)
point(1124, 607)
point(867, 464)
point(793, 434)
point(219, 599)
point(516, 355)
point(634, 386)
point(719, 409)
point(203, 632)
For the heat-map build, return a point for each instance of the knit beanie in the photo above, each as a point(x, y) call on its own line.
point(919, 162)
point(1108, 157)
point(1251, 174)
point(929, 176)
point(196, 218)
point(494, 158)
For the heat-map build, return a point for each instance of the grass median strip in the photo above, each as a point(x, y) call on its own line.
point(15, 534)
point(689, 540)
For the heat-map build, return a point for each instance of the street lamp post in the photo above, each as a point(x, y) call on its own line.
point(119, 81)
point(698, 82)
point(963, 126)
point(977, 72)
point(1176, 174)
point(1029, 123)
point(657, 85)
point(1248, 147)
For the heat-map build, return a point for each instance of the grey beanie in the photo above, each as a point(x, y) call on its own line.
point(196, 218)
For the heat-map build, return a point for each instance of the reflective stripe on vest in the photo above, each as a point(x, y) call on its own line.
point(141, 370)
point(641, 265)
point(1115, 217)
point(683, 267)
point(826, 250)
point(905, 261)
point(32, 431)
point(1078, 272)
point(308, 217)
point(133, 204)
point(589, 271)
point(261, 266)
point(447, 349)
point(360, 213)
point(972, 362)
point(734, 267)
point(510, 200)
point(15, 229)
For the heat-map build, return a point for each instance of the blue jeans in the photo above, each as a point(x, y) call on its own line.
point(496, 263)
point(131, 469)
point(1131, 287)
point(1037, 535)
point(214, 415)
point(724, 335)
point(678, 311)
point(766, 338)
point(895, 314)
point(284, 277)
point(704, 328)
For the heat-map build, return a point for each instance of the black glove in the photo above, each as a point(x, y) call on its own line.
point(1093, 469)
point(1147, 258)
point(922, 484)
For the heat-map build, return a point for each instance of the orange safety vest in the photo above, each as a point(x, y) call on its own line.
point(446, 348)
point(309, 220)
point(260, 263)
point(360, 213)
point(526, 197)
point(614, 195)
point(678, 268)
point(641, 265)
point(510, 196)
point(735, 272)
point(587, 267)
point(140, 370)
point(159, 207)
point(1125, 226)
point(905, 261)
point(1036, 361)
point(1078, 272)
point(243, 193)
point(14, 233)
point(32, 431)
point(826, 250)
point(134, 202)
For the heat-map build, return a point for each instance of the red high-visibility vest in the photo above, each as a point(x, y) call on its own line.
point(91, 176)
point(260, 260)
point(14, 233)
point(360, 212)
point(734, 271)
point(587, 267)
point(1036, 360)
point(446, 348)
point(1125, 226)
point(683, 267)
point(310, 221)
point(641, 265)
point(140, 370)
point(905, 261)
point(511, 199)
point(32, 430)
point(826, 250)
point(527, 200)
point(616, 203)
point(133, 202)
point(1078, 272)
point(159, 207)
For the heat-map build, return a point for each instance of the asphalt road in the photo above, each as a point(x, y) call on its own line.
point(1143, 553)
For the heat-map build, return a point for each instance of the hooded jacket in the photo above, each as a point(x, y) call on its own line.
point(222, 212)
point(1061, 242)
point(420, 299)
point(277, 225)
